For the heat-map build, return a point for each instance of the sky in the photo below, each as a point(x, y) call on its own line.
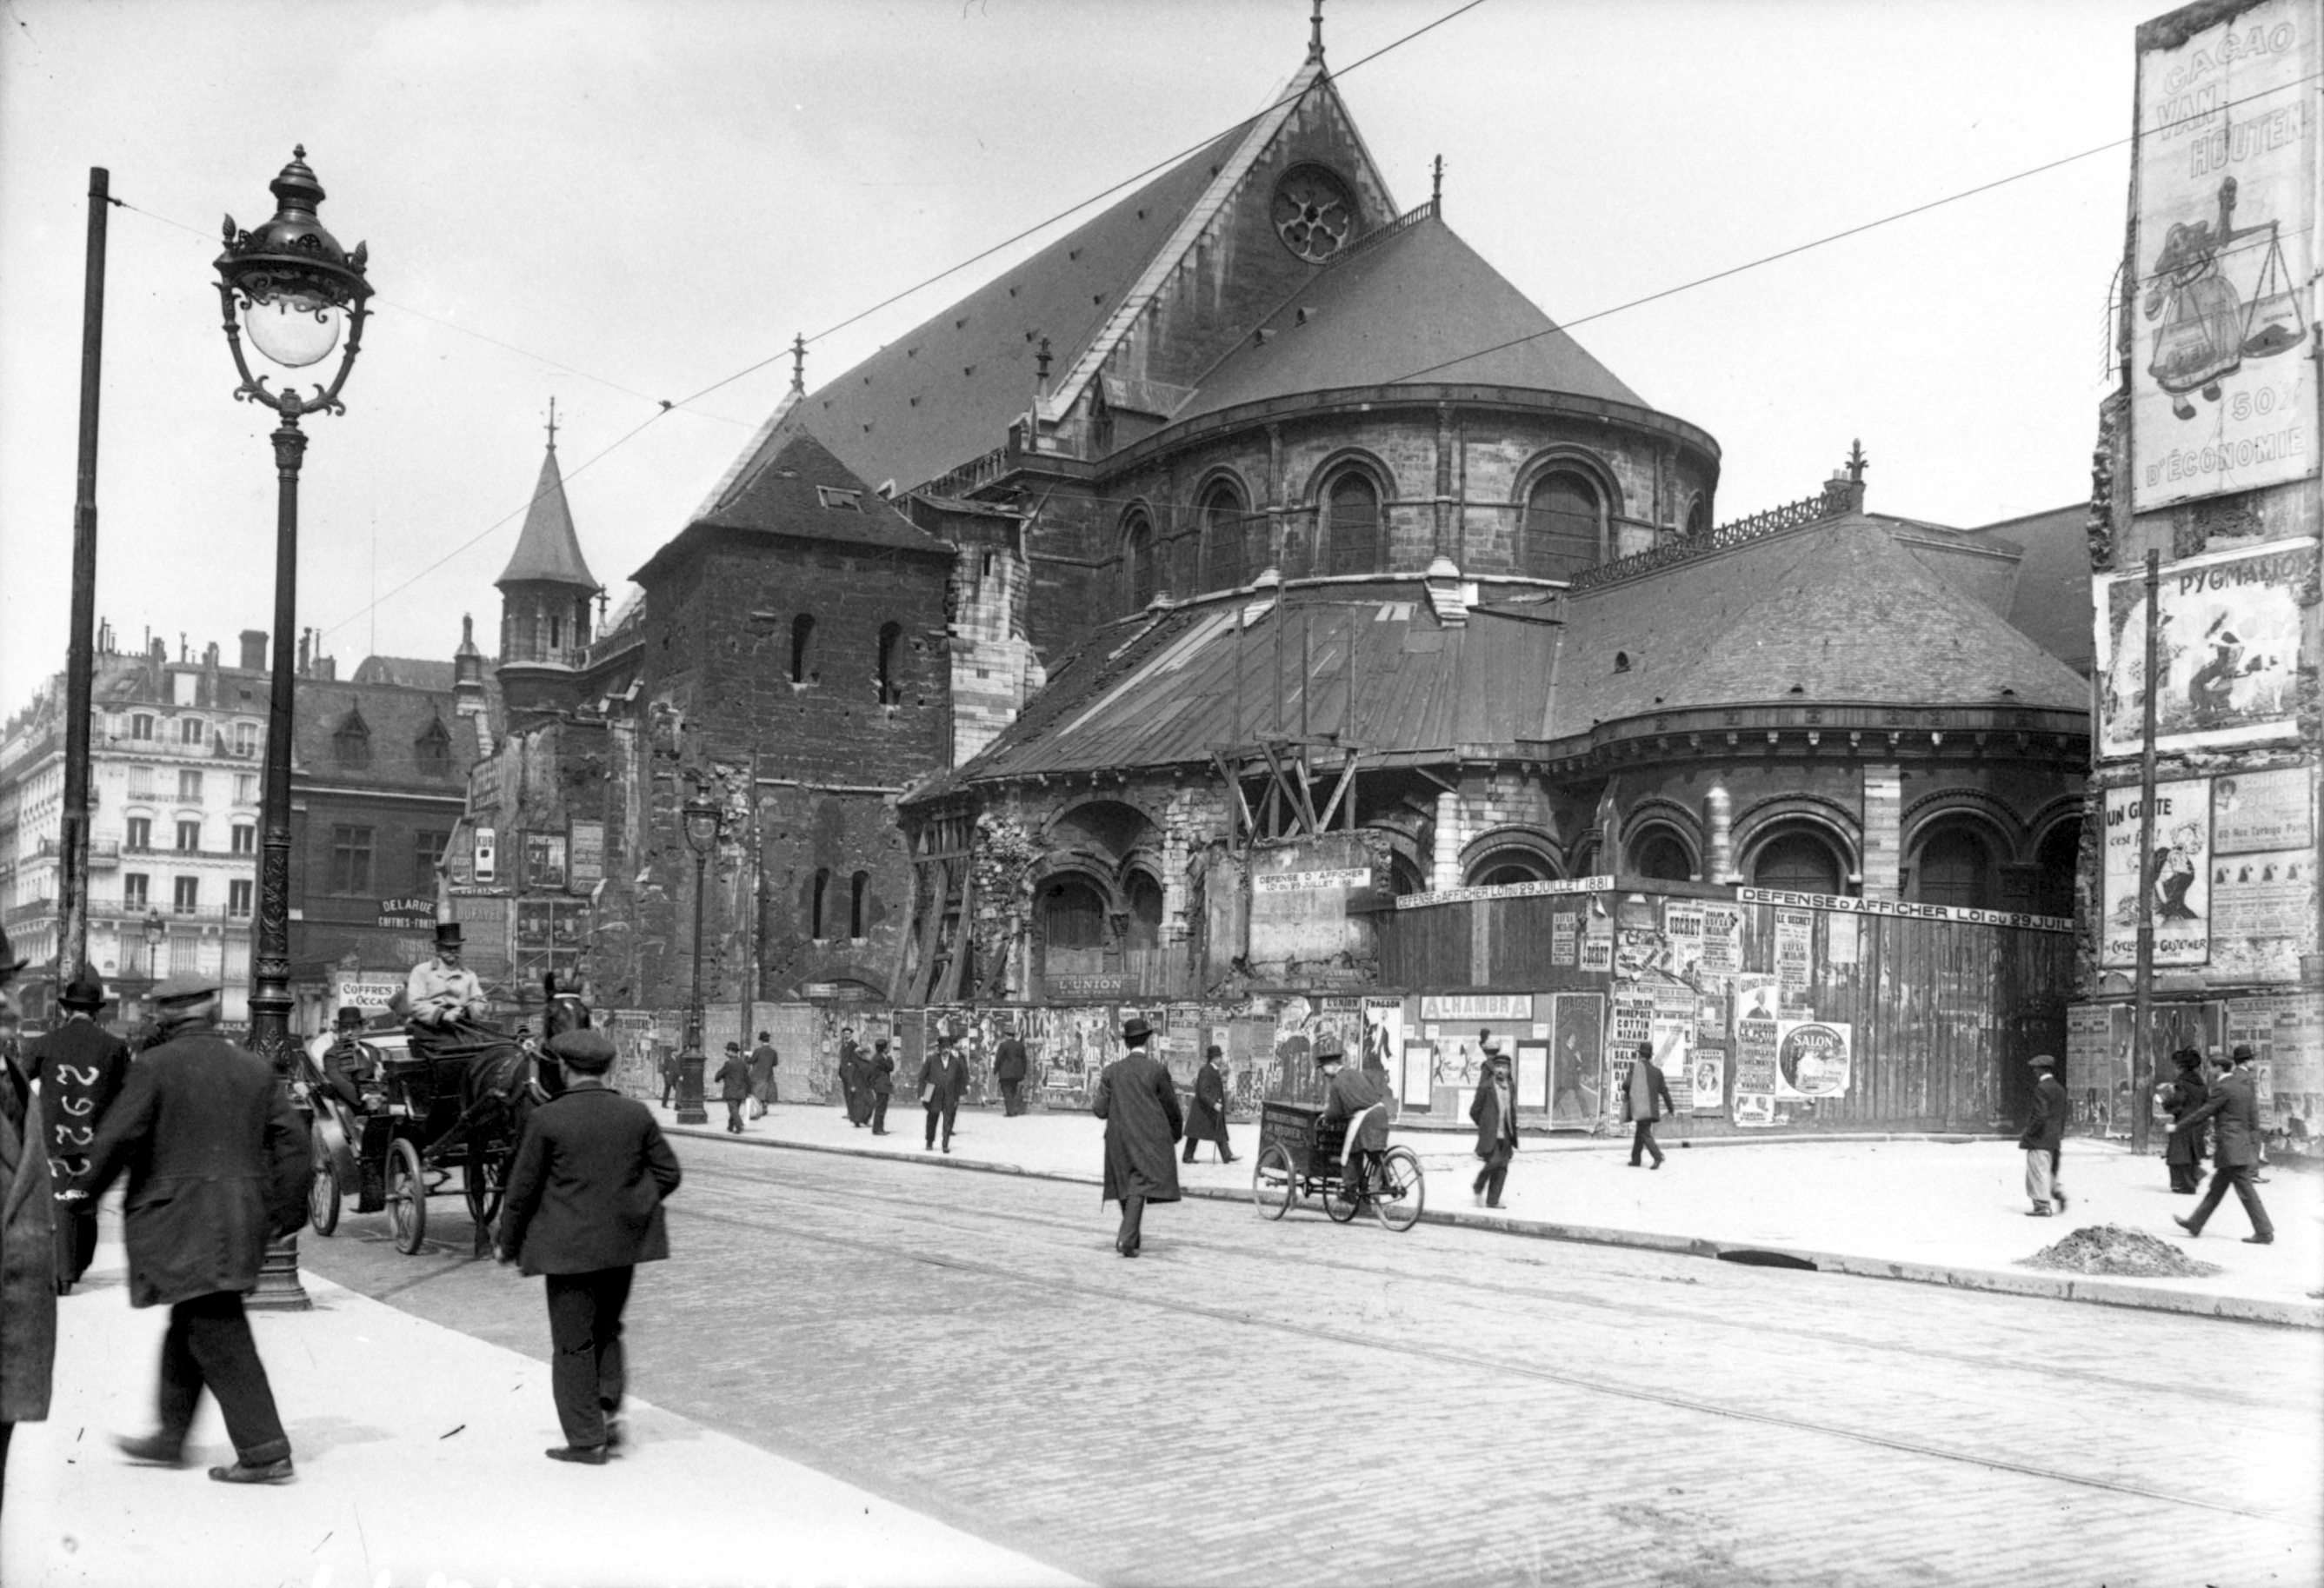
point(623, 203)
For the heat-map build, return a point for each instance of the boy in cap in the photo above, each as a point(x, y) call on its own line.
point(1138, 1102)
point(2044, 1132)
point(733, 1079)
point(584, 1210)
point(80, 1068)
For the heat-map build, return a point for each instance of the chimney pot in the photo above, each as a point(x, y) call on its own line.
point(254, 650)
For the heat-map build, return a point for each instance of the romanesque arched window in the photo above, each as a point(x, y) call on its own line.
point(819, 897)
point(1352, 533)
point(1800, 860)
point(890, 691)
point(1564, 528)
point(1660, 854)
point(802, 645)
point(859, 898)
point(1954, 865)
point(1222, 532)
point(1698, 517)
point(1137, 560)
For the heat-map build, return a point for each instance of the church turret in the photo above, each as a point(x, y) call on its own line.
point(469, 698)
point(545, 595)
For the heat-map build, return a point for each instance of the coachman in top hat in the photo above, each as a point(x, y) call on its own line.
point(80, 1066)
point(446, 1003)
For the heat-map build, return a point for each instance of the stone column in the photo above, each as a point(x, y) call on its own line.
point(1444, 859)
point(1883, 861)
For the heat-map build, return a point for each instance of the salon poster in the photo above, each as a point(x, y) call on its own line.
point(1811, 1058)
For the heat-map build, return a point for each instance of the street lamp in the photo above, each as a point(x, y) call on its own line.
point(293, 287)
point(156, 929)
point(701, 820)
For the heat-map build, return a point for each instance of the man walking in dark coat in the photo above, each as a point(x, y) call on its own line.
point(80, 1066)
point(2044, 1132)
point(851, 1077)
point(1207, 1122)
point(944, 1079)
point(882, 1084)
point(584, 1210)
point(733, 1079)
point(764, 1060)
point(217, 1164)
point(1645, 1099)
point(1009, 1069)
point(1138, 1102)
point(2234, 1104)
point(2183, 1151)
point(1495, 1115)
point(671, 1070)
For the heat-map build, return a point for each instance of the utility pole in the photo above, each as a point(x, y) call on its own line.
point(2142, 1044)
point(80, 658)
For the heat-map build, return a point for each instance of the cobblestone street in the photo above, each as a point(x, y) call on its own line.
point(1304, 1402)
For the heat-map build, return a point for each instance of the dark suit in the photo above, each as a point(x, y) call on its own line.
point(217, 1163)
point(883, 1087)
point(583, 1208)
point(733, 1079)
point(2233, 1107)
point(81, 1068)
point(944, 1079)
point(1207, 1120)
point(1009, 1070)
point(1641, 1113)
point(2182, 1154)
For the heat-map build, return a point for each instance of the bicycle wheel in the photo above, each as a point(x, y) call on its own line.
point(1341, 1201)
point(1273, 1186)
point(1401, 1192)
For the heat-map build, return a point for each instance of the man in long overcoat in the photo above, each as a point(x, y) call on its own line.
point(81, 1068)
point(764, 1060)
point(2043, 1137)
point(1138, 1102)
point(2183, 1151)
point(2234, 1107)
point(584, 1210)
point(28, 1250)
point(217, 1164)
point(1207, 1120)
point(944, 1081)
point(1009, 1068)
point(851, 1077)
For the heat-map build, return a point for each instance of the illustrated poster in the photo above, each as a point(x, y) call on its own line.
point(2177, 874)
point(1811, 1058)
point(1577, 1056)
point(2228, 658)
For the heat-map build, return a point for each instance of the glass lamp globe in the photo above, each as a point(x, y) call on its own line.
point(293, 329)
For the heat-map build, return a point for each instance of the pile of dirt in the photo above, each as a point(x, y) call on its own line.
point(2110, 1249)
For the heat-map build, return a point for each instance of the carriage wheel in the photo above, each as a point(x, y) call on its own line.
point(1338, 1202)
point(323, 1190)
point(1402, 1190)
point(407, 1196)
point(1273, 1186)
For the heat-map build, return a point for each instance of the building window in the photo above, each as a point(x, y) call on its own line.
point(141, 726)
point(134, 887)
point(141, 783)
point(1955, 868)
point(1660, 854)
point(831, 495)
point(351, 744)
point(802, 644)
point(858, 897)
point(1352, 536)
point(141, 833)
point(1698, 519)
point(556, 634)
point(581, 621)
point(1801, 862)
point(890, 691)
point(426, 854)
point(433, 750)
point(190, 788)
point(1073, 928)
point(190, 730)
point(245, 839)
point(245, 738)
point(237, 898)
point(245, 788)
point(350, 859)
point(1222, 535)
point(1503, 866)
point(189, 838)
point(186, 895)
point(1564, 528)
point(821, 894)
point(1137, 561)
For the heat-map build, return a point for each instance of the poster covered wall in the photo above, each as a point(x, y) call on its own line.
point(2227, 660)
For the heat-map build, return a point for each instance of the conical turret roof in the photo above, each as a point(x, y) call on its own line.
point(547, 552)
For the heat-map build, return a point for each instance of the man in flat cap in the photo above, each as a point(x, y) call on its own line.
point(2046, 1130)
point(1138, 1102)
point(2234, 1104)
point(217, 1165)
point(584, 1210)
point(1360, 1100)
point(80, 1068)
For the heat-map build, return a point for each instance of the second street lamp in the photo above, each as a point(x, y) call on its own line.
point(701, 820)
point(293, 287)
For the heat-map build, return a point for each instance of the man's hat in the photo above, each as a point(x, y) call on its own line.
point(2243, 1054)
point(2187, 1059)
point(734, 1047)
point(448, 935)
point(879, 1042)
point(2041, 1062)
point(186, 987)
point(585, 1051)
point(350, 1016)
point(1135, 1028)
point(84, 991)
point(1215, 1051)
point(1645, 1050)
point(1497, 1056)
point(1327, 1052)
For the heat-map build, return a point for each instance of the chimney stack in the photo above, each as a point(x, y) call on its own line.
point(254, 650)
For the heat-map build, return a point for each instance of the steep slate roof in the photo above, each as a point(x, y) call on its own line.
point(781, 500)
point(1836, 608)
point(1406, 303)
point(546, 549)
point(409, 671)
point(2052, 602)
point(396, 717)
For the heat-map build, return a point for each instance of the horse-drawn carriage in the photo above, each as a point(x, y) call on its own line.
point(1299, 1156)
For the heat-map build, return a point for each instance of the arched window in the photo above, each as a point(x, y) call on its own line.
point(581, 621)
point(1073, 928)
point(1658, 853)
point(1510, 863)
point(2056, 862)
point(1698, 519)
point(858, 898)
point(890, 691)
point(1954, 867)
point(1799, 861)
point(1145, 898)
point(1137, 561)
point(1564, 528)
point(819, 895)
point(1222, 532)
point(802, 642)
point(556, 634)
point(1353, 531)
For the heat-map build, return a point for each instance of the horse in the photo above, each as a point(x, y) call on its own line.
point(499, 1088)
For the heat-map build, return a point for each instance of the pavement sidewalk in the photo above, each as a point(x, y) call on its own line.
point(1939, 1210)
point(420, 1463)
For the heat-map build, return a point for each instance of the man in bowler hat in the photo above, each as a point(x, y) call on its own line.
point(2234, 1104)
point(1208, 1120)
point(584, 1210)
point(81, 1068)
point(1138, 1102)
point(217, 1164)
point(733, 1079)
point(2045, 1131)
point(943, 1079)
point(1645, 1099)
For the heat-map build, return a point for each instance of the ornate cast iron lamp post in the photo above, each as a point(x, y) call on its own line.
point(702, 818)
point(293, 288)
